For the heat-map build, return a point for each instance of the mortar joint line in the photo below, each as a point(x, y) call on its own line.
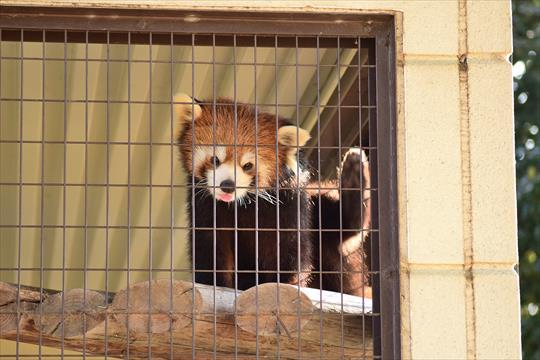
point(468, 250)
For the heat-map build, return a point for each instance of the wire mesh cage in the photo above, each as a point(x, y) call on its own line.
point(215, 190)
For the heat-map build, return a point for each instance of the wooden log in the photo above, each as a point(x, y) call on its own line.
point(155, 306)
point(10, 314)
point(14, 304)
point(154, 309)
point(71, 313)
point(269, 309)
point(328, 333)
point(8, 294)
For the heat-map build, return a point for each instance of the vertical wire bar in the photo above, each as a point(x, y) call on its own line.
point(1, 58)
point(361, 204)
point(64, 197)
point(21, 108)
point(342, 343)
point(42, 199)
point(277, 184)
point(368, 113)
point(193, 224)
point(107, 204)
point(297, 197)
point(214, 202)
point(235, 140)
point(374, 236)
point(321, 337)
point(256, 197)
point(150, 199)
point(85, 249)
point(128, 275)
point(171, 192)
point(20, 161)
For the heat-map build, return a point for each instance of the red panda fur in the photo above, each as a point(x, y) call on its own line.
point(235, 241)
point(227, 256)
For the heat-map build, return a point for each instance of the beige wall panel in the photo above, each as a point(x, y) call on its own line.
point(492, 161)
point(433, 161)
point(429, 27)
point(489, 26)
point(497, 313)
point(437, 312)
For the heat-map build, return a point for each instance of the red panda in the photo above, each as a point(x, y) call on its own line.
point(233, 156)
point(225, 168)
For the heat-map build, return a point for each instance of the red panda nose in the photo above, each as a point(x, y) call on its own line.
point(227, 186)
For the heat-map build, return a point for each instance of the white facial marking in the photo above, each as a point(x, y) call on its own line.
point(202, 153)
point(226, 171)
point(199, 156)
point(222, 173)
point(248, 157)
point(292, 163)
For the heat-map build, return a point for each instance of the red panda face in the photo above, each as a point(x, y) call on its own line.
point(227, 178)
point(232, 152)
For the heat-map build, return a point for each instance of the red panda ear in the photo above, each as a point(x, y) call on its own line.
point(293, 136)
point(184, 105)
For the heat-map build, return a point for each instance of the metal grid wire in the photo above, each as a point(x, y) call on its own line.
point(91, 192)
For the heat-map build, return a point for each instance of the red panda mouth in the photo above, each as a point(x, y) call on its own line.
point(225, 197)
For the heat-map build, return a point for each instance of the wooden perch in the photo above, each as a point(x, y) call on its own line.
point(151, 307)
point(69, 314)
point(273, 309)
point(270, 309)
point(298, 325)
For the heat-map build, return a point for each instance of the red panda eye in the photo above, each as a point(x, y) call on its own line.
point(215, 161)
point(247, 166)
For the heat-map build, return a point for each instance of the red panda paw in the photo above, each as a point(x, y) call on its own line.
point(351, 169)
point(355, 179)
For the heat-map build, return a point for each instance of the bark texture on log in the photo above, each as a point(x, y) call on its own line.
point(273, 309)
point(69, 314)
point(155, 306)
point(191, 328)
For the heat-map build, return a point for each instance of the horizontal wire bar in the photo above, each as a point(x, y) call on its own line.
point(51, 356)
point(180, 270)
point(122, 185)
point(76, 142)
point(158, 227)
point(90, 357)
point(170, 312)
point(168, 62)
point(203, 39)
point(168, 103)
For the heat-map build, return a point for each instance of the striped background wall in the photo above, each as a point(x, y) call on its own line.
point(96, 216)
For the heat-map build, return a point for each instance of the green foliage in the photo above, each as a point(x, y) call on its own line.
point(526, 59)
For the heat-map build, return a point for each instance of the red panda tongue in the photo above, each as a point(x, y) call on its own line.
point(225, 197)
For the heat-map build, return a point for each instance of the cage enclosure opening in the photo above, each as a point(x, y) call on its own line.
point(191, 192)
